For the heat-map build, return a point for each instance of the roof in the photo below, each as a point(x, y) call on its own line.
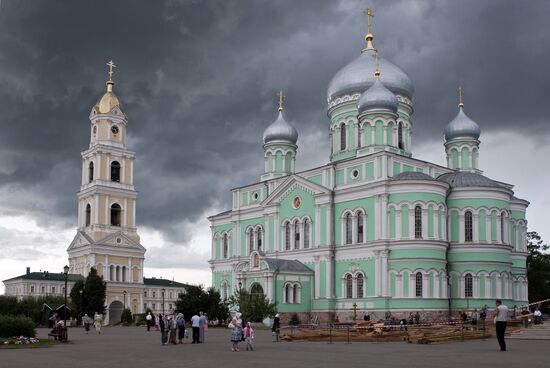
point(47, 276)
point(277, 264)
point(460, 179)
point(161, 282)
point(412, 175)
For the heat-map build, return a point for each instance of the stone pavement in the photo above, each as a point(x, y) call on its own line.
point(134, 347)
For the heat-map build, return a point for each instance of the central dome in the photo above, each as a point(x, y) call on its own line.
point(358, 76)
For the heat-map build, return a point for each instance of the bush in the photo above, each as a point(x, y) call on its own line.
point(16, 326)
point(127, 318)
point(294, 320)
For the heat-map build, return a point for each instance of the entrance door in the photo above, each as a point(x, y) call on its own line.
point(115, 312)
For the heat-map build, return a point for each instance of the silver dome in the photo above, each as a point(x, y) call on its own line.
point(377, 97)
point(412, 175)
point(280, 130)
point(358, 76)
point(461, 179)
point(462, 127)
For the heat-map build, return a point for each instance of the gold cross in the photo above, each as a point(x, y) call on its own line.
point(369, 14)
point(460, 96)
point(111, 66)
point(281, 100)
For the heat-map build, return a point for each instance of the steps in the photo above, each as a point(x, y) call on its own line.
point(535, 332)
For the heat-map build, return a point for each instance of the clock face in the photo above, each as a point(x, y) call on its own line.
point(114, 129)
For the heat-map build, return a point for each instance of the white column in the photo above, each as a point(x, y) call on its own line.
point(129, 276)
point(317, 277)
point(412, 288)
point(444, 286)
point(106, 274)
point(84, 171)
point(353, 229)
point(375, 168)
point(437, 235)
point(475, 287)
point(461, 228)
point(385, 133)
point(488, 227)
point(302, 235)
point(277, 230)
point(444, 225)
point(317, 225)
point(499, 287)
point(330, 226)
point(377, 273)
point(270, 288)
point(437, 286)
point(376, 216)
point(411, 223)
point(475, 228)
point(329, 278)
point(125, 213)
point(292, 235)
point(424, 223)
point(265, 241)
point(488, 293)
point(499, 239)
point(398, 230)
point(384, 271)
point(384, 216)
point(398, 286)
point(425, 286)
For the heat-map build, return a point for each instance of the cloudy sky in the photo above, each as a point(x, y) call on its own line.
point(198, 81)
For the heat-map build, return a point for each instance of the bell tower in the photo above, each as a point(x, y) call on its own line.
point(107, 198)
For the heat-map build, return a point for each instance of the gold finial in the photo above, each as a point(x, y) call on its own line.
point(281, 100)
point(460, 97)
point(368, 37)
point(110, 82)
point(376, 58)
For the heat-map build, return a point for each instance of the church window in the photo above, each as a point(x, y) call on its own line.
point(468, 286)
point(123, 273)
point(360, 284)
point(287, 236)
point(224, 291)
point(250, 241)
point(154, 296)
point(43, 289)
point(306, 233)
point(256, 261)
point(400, 135)
point(225, 246)
point(90, 172)
point(287, 293)
point(349, 286)
point(295, 294)
point(259, 239)
point(360, 231)
point(53, 289)
point(296, 235)
point(502, 219)
point(94, 131)
point(418, 222)
point(418, 288)
point(32, 289)
point(88, 214)
point(343, 137)
point(348, 228)
point(468, 226)
point(256, 290)
point(154, 305)
point(115, 171)
point(117, 273)
point(115, 214)
point(145, 293)
point(112, 273)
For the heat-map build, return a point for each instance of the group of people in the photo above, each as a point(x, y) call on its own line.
point(173, 329)
point(238, 333)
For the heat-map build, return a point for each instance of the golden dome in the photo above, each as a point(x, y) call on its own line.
point(108, 101)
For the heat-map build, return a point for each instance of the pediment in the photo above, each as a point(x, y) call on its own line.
point(81, 239)
point(293, 182)
point(119, 240)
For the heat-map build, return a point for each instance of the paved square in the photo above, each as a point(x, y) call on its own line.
point(135, 347)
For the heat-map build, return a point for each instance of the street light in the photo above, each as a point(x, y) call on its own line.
point(124, 301)
point(81, 306)
point(65, 336)
point(163, 290)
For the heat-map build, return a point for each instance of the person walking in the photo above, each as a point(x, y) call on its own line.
point(98, 320)
point(236, 333)
point(87, 321)
point(276, 328)
point(163, 330)
point(249, 336)
point(149, 321)
point(500, 319)
point(202, 324)
point(195, 326)
point(172, 328)
point(180, 320)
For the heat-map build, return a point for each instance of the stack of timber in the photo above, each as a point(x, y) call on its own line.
point(444, 333)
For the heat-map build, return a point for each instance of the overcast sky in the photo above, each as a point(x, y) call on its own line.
point(198, 80)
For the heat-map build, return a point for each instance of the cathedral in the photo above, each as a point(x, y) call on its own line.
point(374, 230)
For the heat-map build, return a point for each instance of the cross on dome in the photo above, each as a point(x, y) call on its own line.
point(281, 100)
point(460, 97)
point(368, 37)
point(111, 66)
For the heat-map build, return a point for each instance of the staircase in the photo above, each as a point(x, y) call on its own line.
point(535, 332)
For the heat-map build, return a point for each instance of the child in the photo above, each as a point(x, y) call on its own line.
point(249, 336)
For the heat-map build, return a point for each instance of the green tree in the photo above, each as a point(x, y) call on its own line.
point(214, 306)
point(254, 307)
point(196, 299)
point(94, 293)
point(126, 317)
point(538, 267)
point(77, 299)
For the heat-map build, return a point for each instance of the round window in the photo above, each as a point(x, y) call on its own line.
point(355, 174)
point(118, 240)
point(296, 202)
point(255, 196)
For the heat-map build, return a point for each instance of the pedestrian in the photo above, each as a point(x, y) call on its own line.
point(172, 328)
point(417, 317)
point(538, 316)
point(180, 320)
point(276, 328)
point(98, 320)
point(337, 319)
point(195, 325)
point(483, 313)
point(249, 336)
point(366, 317)
point(202, 326)
point(163, 330)
point(474, 317)
point(86, 321)
point(500, 319)
point(236, 333)
point(149, 321)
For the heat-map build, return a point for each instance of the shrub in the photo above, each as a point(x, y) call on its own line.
point(16, 326)
point(127, 318)
point(294, 320)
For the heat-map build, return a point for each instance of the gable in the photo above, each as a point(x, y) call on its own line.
point(119, 240)
point(81, 239)
point(295, 183)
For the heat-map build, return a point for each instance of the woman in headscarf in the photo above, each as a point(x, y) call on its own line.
point(236, 333)
point(181, 327)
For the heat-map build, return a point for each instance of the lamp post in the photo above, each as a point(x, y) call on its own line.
point(65, 335)
point(124, 301)
point(81, 306)
point(163, 290)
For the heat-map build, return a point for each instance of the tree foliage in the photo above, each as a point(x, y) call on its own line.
point(93, 295)
point(254, 307)
point(538, 267)
point(126, 318)
point(29, 306)
point(197, 299)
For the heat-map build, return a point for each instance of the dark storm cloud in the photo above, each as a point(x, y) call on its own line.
point(197, 80)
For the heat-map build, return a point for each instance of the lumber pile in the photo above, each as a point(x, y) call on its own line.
point(444, 333)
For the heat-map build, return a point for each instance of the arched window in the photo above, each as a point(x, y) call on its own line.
point(296, 294)
point(115, 171)
point(287, 236)
point(250, 241)
point(90, 172)
point(225, 246)
point(468, 286)
point(468, 226)
point(296, 235)
point(123, 273)
point(360, 232)
point(88, 214)
point(306, 233)
point(400, 135)
point(112, 273)
point(502, 219)
point(256, 290)
point(288, 293)
point(115, 214)
point(224, 291)
point(360, 284)
point(418, 222)
point(349, 286)
point(259, 239)
point(117, 273)
point(343, 137)
point(348, 228)
point(256, 261)
point(418, 285)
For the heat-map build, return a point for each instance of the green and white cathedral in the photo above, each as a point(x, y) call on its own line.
point(374, 227)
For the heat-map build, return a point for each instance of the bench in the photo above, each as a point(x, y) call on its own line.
point(54, 335)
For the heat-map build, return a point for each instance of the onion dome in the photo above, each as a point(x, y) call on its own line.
point(109, 100)
point(461, 127)
point(358, 76)
point(461, 179)
point(377, 97)
point(280, 131)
